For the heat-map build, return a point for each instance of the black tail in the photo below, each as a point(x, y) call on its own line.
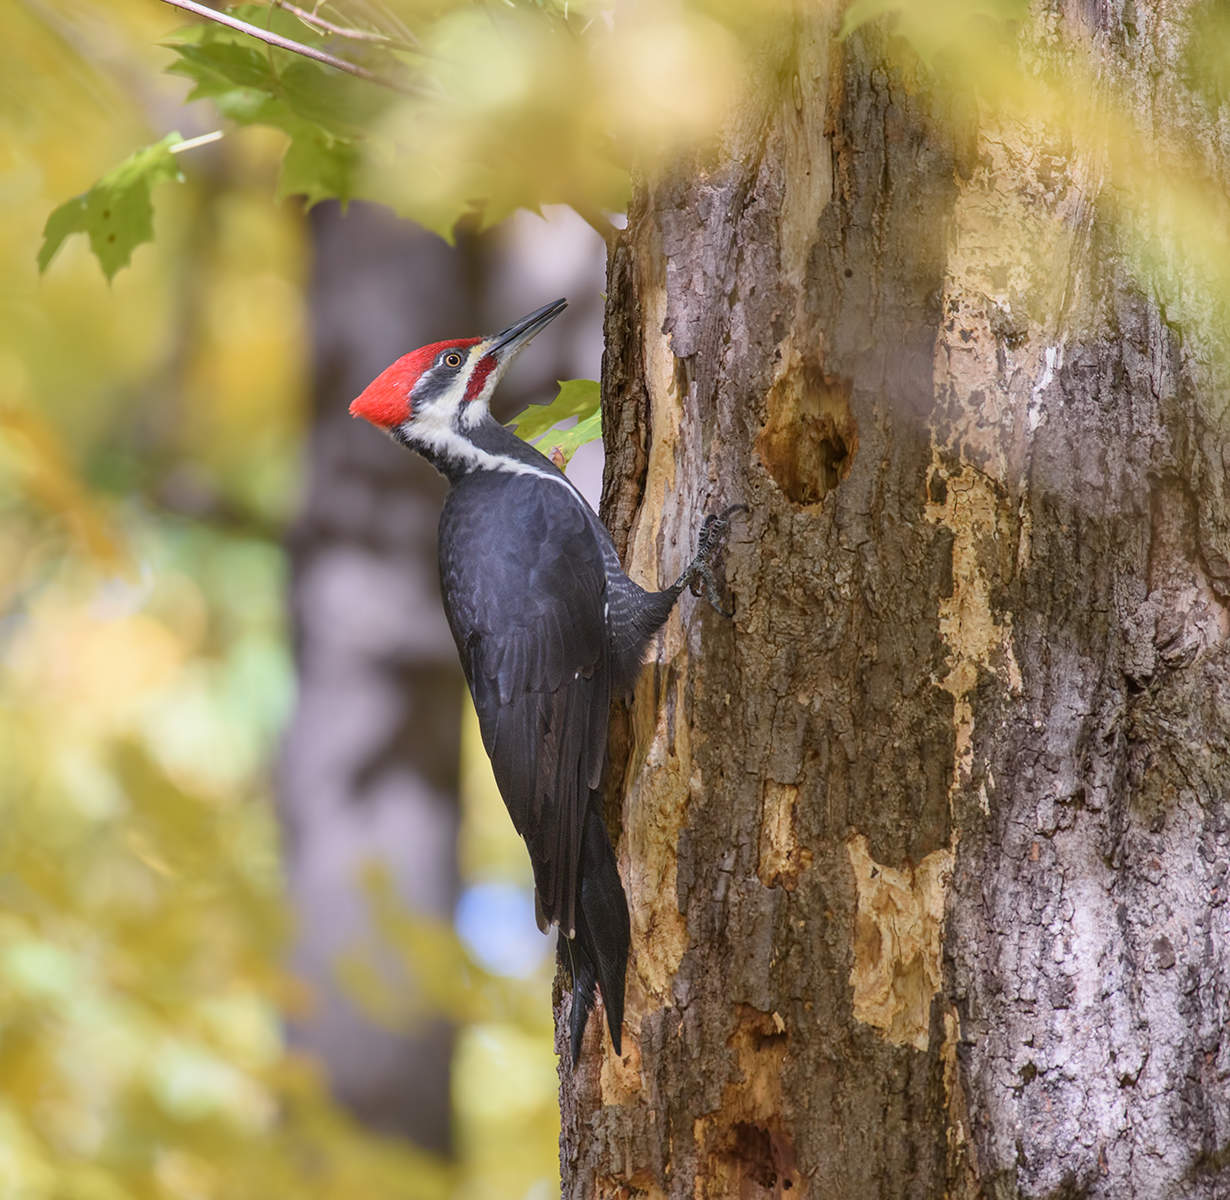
point(599, 952)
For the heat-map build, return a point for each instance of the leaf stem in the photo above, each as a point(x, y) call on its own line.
point(203, 139)
point(289, 44)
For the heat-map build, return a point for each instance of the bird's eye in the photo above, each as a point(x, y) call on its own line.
point(452, 360)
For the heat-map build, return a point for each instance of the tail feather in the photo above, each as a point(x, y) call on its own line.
point(599, 952)
point(583, 982)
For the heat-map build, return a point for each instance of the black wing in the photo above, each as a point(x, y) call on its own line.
point(524, 590)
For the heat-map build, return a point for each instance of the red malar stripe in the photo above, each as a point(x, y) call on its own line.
point(478, 379)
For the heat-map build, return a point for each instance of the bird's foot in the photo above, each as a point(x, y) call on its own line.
point(699, 576)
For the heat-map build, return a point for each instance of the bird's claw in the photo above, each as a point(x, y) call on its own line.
point(712, 541)
point(704, 583)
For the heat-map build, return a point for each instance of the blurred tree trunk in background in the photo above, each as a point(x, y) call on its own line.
point(370, 764)
point(927, 850)
point(369, 768)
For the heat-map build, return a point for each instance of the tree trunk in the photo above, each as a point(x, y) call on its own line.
point(370, 763)
point(926, 851)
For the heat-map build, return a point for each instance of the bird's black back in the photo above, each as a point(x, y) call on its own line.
point(524, 588)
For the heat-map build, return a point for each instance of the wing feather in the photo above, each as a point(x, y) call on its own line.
point(524, 589)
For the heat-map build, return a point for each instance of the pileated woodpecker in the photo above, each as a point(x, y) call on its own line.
point(547, 626)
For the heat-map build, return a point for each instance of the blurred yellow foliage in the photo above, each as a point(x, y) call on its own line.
point(143, 668)
point(149, 441)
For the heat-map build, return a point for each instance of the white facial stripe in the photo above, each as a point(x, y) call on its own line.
point(438, 417)
point(448, 443)
point(441, 410)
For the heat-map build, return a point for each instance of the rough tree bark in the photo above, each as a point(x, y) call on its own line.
point(927, 851)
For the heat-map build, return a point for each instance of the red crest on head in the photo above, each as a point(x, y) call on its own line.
point(385, 402)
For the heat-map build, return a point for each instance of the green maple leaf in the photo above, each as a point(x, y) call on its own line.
point(116, 213)
point(576, 398)
point(580, 398)
point(252, 83)
point(318, 168)
point(568, 441)
point(326, 115)
point(219, 64)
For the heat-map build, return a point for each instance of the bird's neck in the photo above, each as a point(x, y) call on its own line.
point(487, 446)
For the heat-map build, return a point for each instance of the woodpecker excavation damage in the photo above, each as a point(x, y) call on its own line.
point(782, 856)
point(661, 733)
point(810, 437)
point(896, 970)
point(748, 1150)
point(966, 503)
point(662, 785)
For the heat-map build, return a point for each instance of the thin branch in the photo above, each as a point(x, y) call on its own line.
point(203, 139)
point(363, 35)
point(284, 43)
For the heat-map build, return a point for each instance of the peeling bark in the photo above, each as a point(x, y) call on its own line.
point(927, 851)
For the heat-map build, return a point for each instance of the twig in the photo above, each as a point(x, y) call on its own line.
point(362, 35)
point(192, 143)
point(284, 43)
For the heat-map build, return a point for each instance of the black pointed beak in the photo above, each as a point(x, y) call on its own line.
point(506, 343)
